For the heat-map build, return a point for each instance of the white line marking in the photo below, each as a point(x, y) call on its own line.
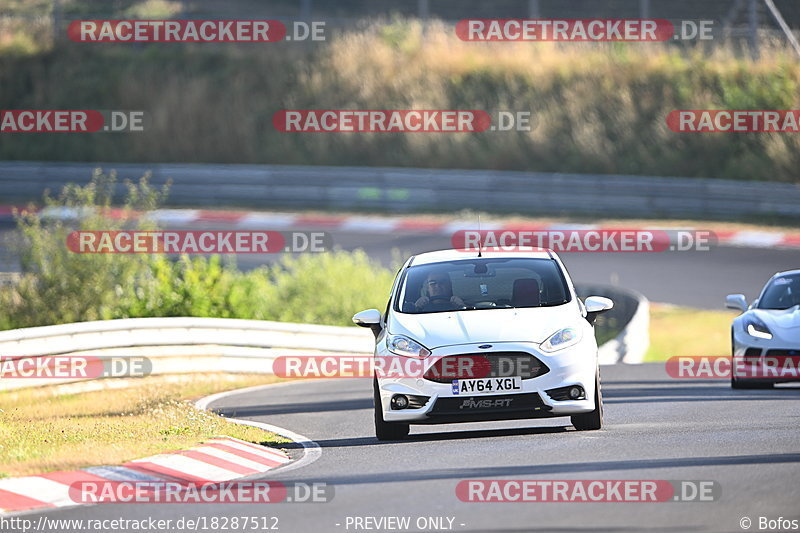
point(756, 239)
point(232, 458)
point(191, 466)
point(39, 488)
point(267, 453)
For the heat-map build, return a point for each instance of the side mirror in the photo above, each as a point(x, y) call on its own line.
point(596, 305)
point(736, 301)
point(371, 318)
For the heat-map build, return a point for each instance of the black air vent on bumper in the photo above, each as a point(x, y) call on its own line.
point(782, 353)
point(505, 403)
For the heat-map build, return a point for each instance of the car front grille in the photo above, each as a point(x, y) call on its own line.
point(783, 353)
point(485, 365)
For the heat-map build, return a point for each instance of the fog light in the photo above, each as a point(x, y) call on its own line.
point(398, 402)
point(575, 393)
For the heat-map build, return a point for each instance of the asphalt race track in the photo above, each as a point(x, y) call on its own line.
point(656, 429)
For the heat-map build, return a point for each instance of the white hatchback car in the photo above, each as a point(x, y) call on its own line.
point(477, 337)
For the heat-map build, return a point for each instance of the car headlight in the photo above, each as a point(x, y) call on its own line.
point(563, 338)
point(402, 345)
point(756, 328)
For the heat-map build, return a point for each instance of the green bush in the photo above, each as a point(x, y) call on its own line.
point(59, 286)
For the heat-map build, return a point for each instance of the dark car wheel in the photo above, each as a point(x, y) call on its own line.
point(749, 384)
point(386, 430)
point(594, 420)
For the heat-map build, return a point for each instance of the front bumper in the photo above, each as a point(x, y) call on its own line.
point(762, 360)
point(576, 365)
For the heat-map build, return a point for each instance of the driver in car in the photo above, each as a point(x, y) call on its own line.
point(436, 291)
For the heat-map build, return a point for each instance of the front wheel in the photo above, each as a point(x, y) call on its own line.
point(740, 384)
point(386, 430)
point(594, 420)
point(750, 385)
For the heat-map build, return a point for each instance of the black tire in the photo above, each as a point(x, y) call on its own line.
point(386, 430)
point(740, 384)
point(594, 420)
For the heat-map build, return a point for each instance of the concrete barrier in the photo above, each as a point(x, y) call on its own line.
point(632, 315)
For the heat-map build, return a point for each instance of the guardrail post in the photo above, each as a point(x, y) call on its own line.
point(752, 18)
point(644, 9)
point(424, 12)
point(534, 11)
point(305, 10)
point(56, 20)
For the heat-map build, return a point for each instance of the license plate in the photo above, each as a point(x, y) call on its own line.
point(487, 385)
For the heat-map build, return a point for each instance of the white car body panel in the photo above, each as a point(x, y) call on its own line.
point(505, 330)
point(784, 325)
point(490, 325)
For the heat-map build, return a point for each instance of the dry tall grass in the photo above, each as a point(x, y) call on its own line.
point(597, 108)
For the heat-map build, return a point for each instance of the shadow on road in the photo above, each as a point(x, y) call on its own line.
point(334, 404)
point(517, 471)
point(677, 391)
point(662, 391)
point(430, 437)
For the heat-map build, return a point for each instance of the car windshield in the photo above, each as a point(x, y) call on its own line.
point(781, 293)
point(482, 284)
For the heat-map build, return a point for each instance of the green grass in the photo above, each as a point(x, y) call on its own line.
point(682, 331)
point(42, 429)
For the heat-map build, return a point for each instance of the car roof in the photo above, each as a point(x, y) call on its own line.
point(441, 256)
point(786, 273)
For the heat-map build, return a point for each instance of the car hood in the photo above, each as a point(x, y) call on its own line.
point(784, 319)
point(435, 330)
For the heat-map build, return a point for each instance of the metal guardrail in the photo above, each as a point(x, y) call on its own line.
point(416, 190)
point(181, 331)
point(178, 345)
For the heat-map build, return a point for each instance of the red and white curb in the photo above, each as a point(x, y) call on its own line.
point(220, 459)
point(311, 450)
point(256, 220)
